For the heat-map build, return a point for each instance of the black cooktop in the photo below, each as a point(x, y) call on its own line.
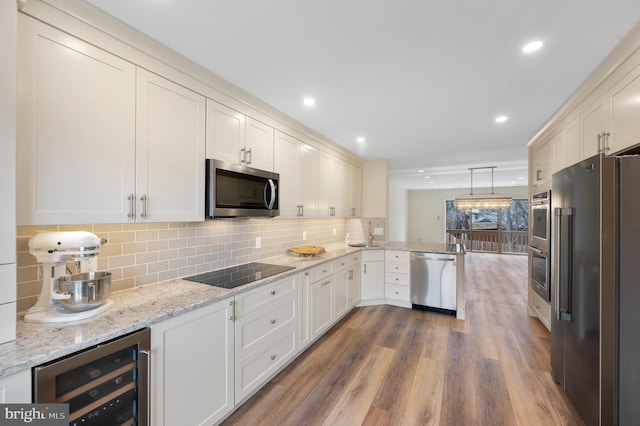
point(239, 275)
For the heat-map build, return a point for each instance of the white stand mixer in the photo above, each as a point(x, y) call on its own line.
point(54, 250)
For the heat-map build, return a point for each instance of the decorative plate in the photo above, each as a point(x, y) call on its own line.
point(308, 250)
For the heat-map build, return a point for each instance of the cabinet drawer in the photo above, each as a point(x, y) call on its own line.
point(254, 370)
point(261, 296)
point(341, 264)
point(397, 267)
point(256, 329)
point(396, 256)
point(353, 259)
point(397, 292)
point(372, 255)
point(322, 271)
point(398, 279)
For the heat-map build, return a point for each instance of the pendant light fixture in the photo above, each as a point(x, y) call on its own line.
point(485, 201)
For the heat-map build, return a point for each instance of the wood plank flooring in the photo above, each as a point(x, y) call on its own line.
point(385, 365)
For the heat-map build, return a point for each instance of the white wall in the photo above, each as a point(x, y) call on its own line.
point(426, 208)
point(398, 212)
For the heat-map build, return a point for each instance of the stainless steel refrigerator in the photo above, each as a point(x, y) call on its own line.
point(595, 325)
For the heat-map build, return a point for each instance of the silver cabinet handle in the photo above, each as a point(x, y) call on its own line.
point(605, 136)
point(272, 321)
point(132, 206)
point(365, 268)
point(272, 292)
point(248, 154)
point(143, 200)
point(599, 142)
point(272, 357)
point(353, 211)
point(233, 311)
point(243, 156)
point(325, 283)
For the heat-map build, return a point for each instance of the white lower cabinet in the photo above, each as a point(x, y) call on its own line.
point(192, 367)
point(321, 312)
point(397, 277)
point(16, 388)
point(372, 278)
point(541, 307)
point(265, 334)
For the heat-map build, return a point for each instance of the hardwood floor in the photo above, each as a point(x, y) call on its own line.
point(386, 365)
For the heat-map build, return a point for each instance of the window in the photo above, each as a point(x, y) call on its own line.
point(497, 231)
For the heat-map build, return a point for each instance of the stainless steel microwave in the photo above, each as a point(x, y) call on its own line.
point(234, 190)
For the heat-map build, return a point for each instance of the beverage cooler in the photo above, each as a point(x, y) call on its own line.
point(104, 385)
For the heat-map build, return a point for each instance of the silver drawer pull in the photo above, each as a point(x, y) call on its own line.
point(325, 283)
point(273, 357)
point(272, 321)
point(272, 292)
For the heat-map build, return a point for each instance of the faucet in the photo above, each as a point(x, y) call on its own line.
point(371, 237)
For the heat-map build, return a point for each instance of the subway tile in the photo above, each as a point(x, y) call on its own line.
point(133, 248)
point(147, 257)
point(158, 267)
point(121, 237)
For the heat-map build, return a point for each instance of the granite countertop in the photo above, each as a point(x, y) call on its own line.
point(141, 307)
point(132, 310)
point(426, 247)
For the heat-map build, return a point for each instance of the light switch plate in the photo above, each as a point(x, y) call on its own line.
point(304, 235)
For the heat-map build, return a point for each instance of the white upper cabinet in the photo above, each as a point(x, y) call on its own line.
point(624, 112)
point(170, 145)
point(352, 191)
point(541, 160)
point(258, 144)
point(331, 186)
point(76, 129)
point(297, 164)
point(593, 126)
point(233, 137)
point(100, 144)
point(572, 142)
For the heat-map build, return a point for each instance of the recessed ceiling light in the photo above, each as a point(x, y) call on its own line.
point(501, 118)
point(360, 139)
point(421, 171)
point(309, 101)
point(533, 46)
point(432, 182)
point(520, 177)
point(427, 177)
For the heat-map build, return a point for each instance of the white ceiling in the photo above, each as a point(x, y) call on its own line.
point(421, 80)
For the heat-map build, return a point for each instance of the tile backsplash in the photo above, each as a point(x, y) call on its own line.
point(140, 254)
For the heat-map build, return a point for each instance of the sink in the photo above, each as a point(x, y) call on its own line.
point(364, 245)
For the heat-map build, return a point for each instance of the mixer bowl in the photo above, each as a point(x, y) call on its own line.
point(88, 290)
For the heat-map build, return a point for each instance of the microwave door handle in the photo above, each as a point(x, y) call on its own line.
point(272, 199)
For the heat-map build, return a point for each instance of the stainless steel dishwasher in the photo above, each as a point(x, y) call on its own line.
point(433, 281)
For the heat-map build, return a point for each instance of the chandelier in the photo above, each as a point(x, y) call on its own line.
point(486, 201)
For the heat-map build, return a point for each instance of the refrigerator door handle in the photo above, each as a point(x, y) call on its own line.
point(563, 259)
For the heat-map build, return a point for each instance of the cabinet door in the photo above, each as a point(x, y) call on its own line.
point(572, 142)
point(225, 133)
point(308, 180)
point(593, 124)
point(285, 163)
point(192, 367)
point(321, 306)
point(170, 145)
point(624, 112)
point(259, 144)
point(542, 164)
point(372, 280)
point(75, 129)
point(340, 293)
point(16, 388)
point(352, 190)
point(304, 310)
point(353, 291)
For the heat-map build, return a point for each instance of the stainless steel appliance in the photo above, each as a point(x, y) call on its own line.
point(595, 349)
point(540, 222)
point(433, 281)
point(235, 276)
point(540, 272)
point(234, 190)
point(105, 385)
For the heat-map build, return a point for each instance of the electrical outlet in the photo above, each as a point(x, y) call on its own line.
point(334, 232)
point(304, 235)
point(258, 242)
point(378, 231)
